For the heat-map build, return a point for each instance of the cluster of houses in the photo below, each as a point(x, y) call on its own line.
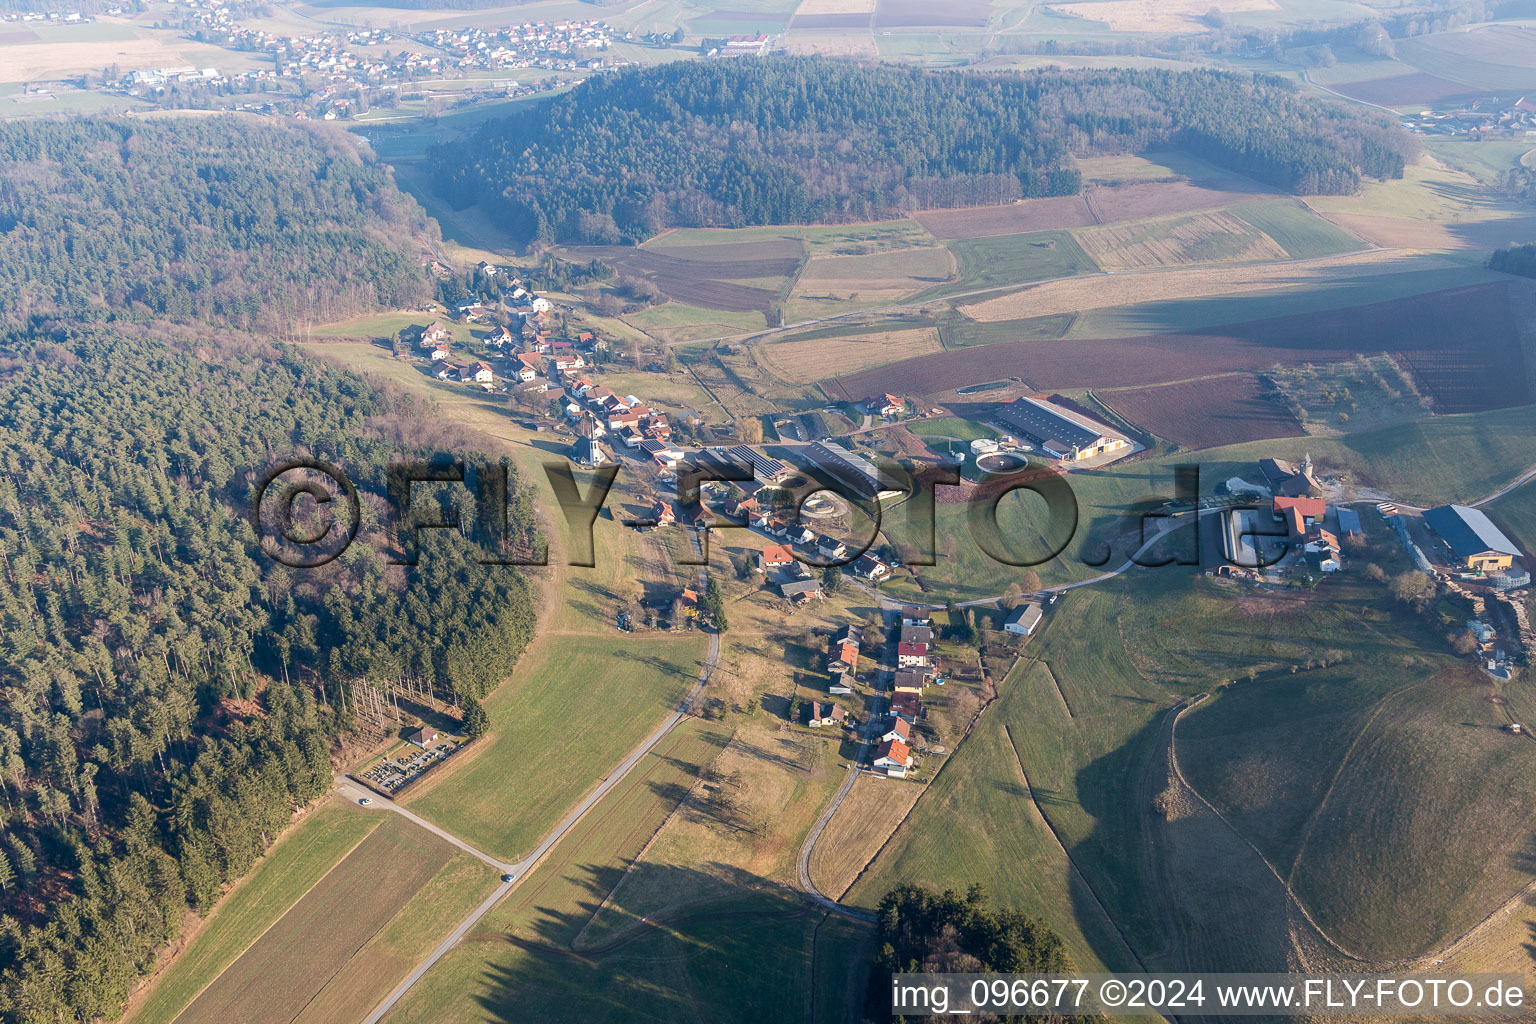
point(914, 646)
point(528, 350)
point(346, 61)
point(1487, 117)
point(780, 566)
point(1298, 515)
point(914, 672)
point(598, 413)
point(553, 46)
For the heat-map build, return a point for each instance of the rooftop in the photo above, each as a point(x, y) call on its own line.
point(1468, 531)
point(1046, 422)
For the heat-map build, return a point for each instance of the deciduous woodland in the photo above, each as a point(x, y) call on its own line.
point(791, 141)
point(245, 222)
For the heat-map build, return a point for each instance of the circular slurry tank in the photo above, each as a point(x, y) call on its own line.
point(1001, 462)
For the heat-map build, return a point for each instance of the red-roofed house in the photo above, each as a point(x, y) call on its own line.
point(894, 757)
point(775, 556)
point(1299, 513)
point(900, 729)
point(843, 656)
point(911, 655)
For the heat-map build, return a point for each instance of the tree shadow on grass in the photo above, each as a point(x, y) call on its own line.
point(671, 943)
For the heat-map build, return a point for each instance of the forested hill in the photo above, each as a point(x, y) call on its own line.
point(168, 694)
point(231, 219)
point(800, 140)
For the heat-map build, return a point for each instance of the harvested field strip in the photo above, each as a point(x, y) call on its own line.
point(1012, 219)
point(697, 282)
point(873, 809)
point(804, 362)
point(1205, 413)
point(445, 900)
point(1464, 340)
point(1216, 237)
point(1057, 298)
point(321, 932)
point(289, 870)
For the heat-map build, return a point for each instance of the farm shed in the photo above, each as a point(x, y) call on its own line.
point(1472, 537)
point(1063, 435)
point(1024, 619)
point(855, 473)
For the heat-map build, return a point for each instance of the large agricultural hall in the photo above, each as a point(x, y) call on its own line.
point(1060, 433)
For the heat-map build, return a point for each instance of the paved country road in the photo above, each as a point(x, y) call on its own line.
point(519, 870)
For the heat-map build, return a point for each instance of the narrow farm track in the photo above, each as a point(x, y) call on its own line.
point(515, 873)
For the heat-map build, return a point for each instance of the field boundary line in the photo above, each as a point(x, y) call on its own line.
point(1071, 861)
point(247, 947)
point(1059, 691)
point(640, 853)
point(1306, 832)
point(1290, 893)
point(368, 940)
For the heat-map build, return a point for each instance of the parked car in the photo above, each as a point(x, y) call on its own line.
point(365, 801)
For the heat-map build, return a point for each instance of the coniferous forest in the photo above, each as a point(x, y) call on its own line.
point(169, 695)
point(784, 140)
point(229, 219)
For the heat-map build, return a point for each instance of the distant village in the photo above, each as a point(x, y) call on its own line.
point(1484, 119)
point(342, 72)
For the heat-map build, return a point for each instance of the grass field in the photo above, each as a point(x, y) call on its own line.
point(992, 817)
point(745, 958)
point(316, 940)
point(1299, 231)
point(806, 361)
point(1015, 259)
point(559, 725)
point(1340, 774)
point(676, 321)
point(952, 426)
point(1304, 284)
point(1491, 57)
point(286, 873)
point(1213, 237)
point(768, 787)
point(1485, 161)
point(1516, 513)
point(1355, 780)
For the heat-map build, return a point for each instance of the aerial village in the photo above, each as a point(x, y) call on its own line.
point(339, 73)
point(1290, 526)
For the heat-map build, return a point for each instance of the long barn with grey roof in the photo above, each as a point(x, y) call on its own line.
point(1060, 433)
point(1472, 537)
